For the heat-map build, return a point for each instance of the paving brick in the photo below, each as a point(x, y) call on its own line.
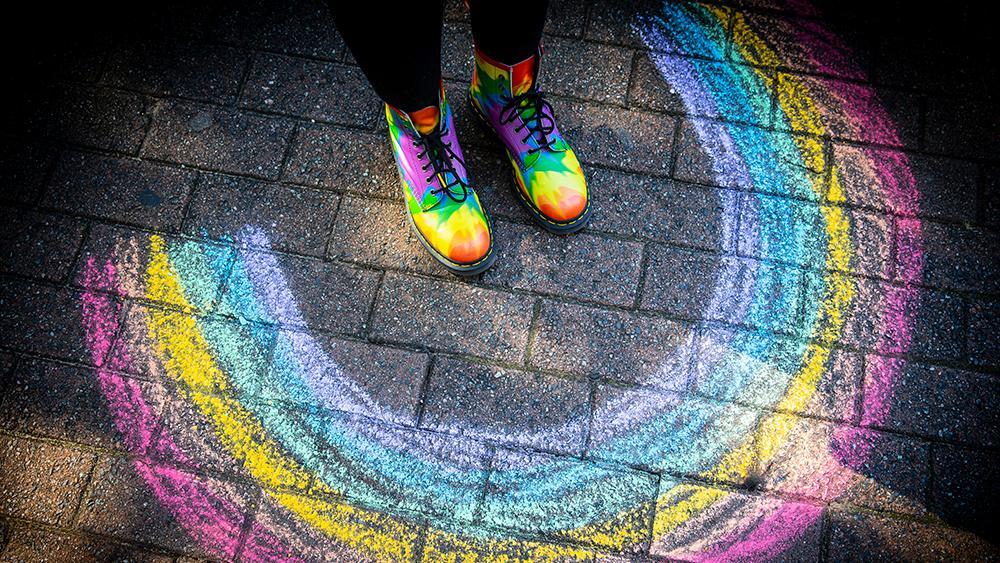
point(440, 545)
point(870, 537)
point(680, 282)
point(298, 27)
point(611, 344)
point(35, 544)
point(959, 258)
point(302, 541)
point(838, 389)
point(344, 160)
point(650, 89)
point(626, 139)
point(24, 169)
point(752, 367)
point(376, 232)
point(893, 470)
point(507, 406)
point(217, 138)
point(585, 70)
point(381, 382)
point(938, 330)
point(58, 401)
point(791, 42)
point(686, 542)
point(99, 118)
point(119, 503)
point(698, 140)
point(582, 266)
point(311, 89)
point(38, 245)
point(296, 219)
point(873, 237)
point(984, 324)
point(129, 251)
point(863, 328)
point(832, 98)
point(126, 190)
point(934, 328)
point(879, 179)
point(947, 187)
point(197, 448)
point(456, 52)
point(181, 68)
point(649, 435)
point(566, 18)
point(784, 230)
point(663, 210)
point(510, 504)
point(616, 23)
point(456, 317)
point(976, 138)
point(431, 460)
point(964, 491)
point(324, 296)
point(42, 482)
point(41, 320)
point(932, 401)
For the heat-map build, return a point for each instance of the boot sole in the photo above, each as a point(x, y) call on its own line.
point(464, 270)
point(540, 218)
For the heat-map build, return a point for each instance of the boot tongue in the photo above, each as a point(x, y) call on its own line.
point(425, 120)
point(522, 75)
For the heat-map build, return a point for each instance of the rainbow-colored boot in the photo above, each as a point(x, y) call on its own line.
point(549, 179)
point(440, 202)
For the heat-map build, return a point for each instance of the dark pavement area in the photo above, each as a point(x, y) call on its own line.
point(776, 339)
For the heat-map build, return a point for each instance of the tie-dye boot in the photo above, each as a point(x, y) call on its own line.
point(442, 206)
point(549, 179)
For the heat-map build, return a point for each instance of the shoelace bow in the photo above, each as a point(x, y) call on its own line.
point(536, 115)
point(441, 155)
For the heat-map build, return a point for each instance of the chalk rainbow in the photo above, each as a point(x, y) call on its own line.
point(349, 480)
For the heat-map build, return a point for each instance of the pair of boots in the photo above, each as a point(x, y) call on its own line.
point(441, 203)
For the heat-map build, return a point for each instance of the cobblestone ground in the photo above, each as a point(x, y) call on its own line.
point(775, 340)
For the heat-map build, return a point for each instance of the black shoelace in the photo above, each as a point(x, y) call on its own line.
point(536, 115)
point(440, 155)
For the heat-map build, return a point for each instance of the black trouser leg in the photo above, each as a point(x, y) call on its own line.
point(398, 47)
point(508, 32)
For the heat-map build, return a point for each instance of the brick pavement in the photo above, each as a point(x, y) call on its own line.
point(220, 339)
